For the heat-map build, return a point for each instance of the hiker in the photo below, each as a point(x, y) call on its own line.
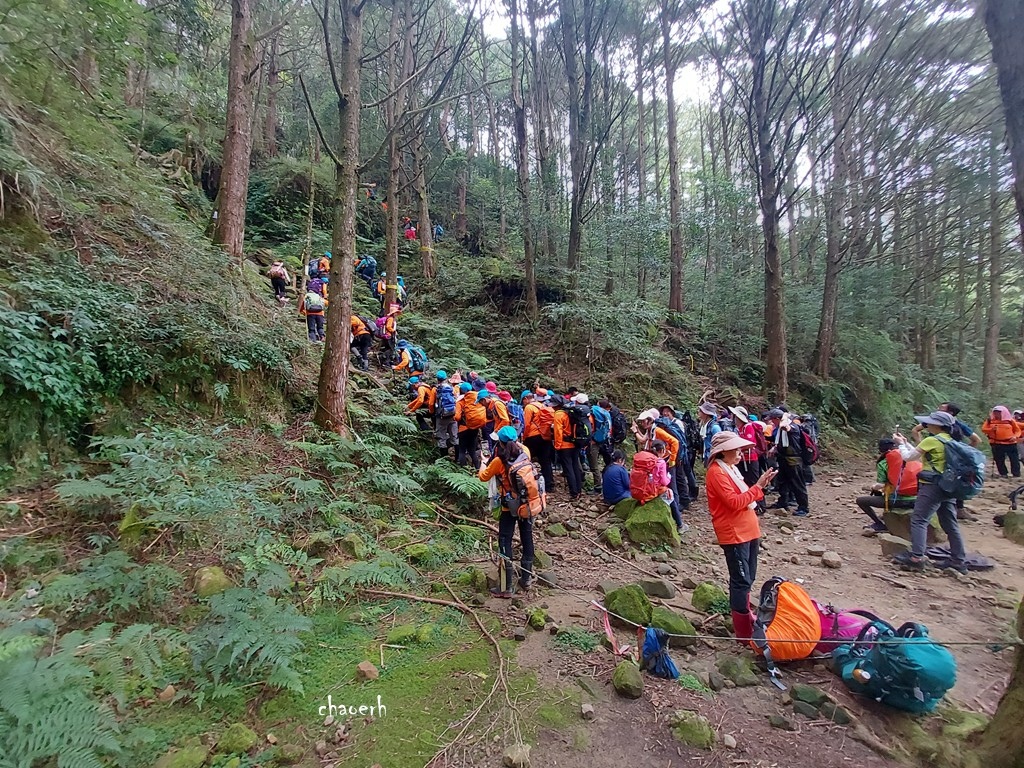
point(931, 451)
point(422, 406)
point(1004, 435)
point(750, 464)
point(366, 270)
point(279, 280)
point(408, 360)
point(589, 451)
point(707, 415)
point(497, 416)
point(438, 232)
point(445, 429)
point(601, 442)
point(362, 340)
point(401, 296)
point(615, 479)
point(387, 331)
point(313, 306)
point(788, 450)
point(380, 289)
point(646, 431)
point(732, 505)
point(470, 416)
point(686, 481)
point(966, 434)
point(566, 449)
point(410, 232)
point(479, 382)
point(538, 433)
point(511, 458)
point(324, 264)
point(1018, 416)
point(515, 411)
point(663, 477)
point(896, 486)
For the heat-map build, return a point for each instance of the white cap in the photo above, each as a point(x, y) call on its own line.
point(580, 398)
point(651, 413)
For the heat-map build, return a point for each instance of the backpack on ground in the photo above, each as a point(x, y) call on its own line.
point(839, 627)
point(670, 426)
point(786, 612)
point(642, 486)
point(313, 268)
point(579, 425)
point(313, 302)
point(529, 497)
point(964, 475)
point(902, 668)
point(809, 448)
point(620, 426)
point(445, 400)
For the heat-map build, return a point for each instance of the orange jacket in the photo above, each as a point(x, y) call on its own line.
point(1001, 432)
point(324, 265)
point(497, 411)
point(671, 445)
point(359, 328)
point(405, 364)
point(731, 516)
point(469, 414)
point(563, 431)
point(533, 421)
point(425, 395)
point(496, 468)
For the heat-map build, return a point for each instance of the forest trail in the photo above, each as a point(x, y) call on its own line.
point(973, 608)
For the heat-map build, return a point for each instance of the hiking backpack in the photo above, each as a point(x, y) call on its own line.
point(579, 425)
point(809, 447)
point(670, 426)
point(964, 474)
point(367, 265)
point(418, 357)
point(445, 400)
point(380, 328)
point(642, 486)
point(545, 419)
point(313, 268)
point(760, 439)
point(902, 668)
point(529, 497)
point(726, 424)
point(786, 612)
point(602, 424)
point(693, 438)
point(620, 425)
point(278, 272)
point(371, 324)
point(313, 302)
point(474, 415)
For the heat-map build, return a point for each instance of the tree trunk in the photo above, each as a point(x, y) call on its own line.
point(990, 364)
point(577, 134)
point(330, 411)
point(675, 233)
point(522, 159)
point(401, 60)
point(425, 229)
point(229, 207)
point(270, 125)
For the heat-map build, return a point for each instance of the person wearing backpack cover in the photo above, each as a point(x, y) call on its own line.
point(422, 406)
point(931, 498)
point(1003, 435)
point(362, 340)
point(565, 447)
point(538, 433)
point(279, 280)
point(648, 479)
point(497, 415)
point(513, 468)
point(788, 449)
point(896, 486)
point(313, 306)
point(470, 416)
point(446, 431)
point(646, 432)
point(732, 505)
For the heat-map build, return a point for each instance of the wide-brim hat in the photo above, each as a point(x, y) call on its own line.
point(739, 412)
point(709, 408)
point(728, 441)
point(651, 414)
point(937, 419)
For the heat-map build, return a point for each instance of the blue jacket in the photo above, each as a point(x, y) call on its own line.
point(713, 429)
point(602, 424)
point(615, 484)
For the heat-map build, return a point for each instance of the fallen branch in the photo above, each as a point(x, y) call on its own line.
point(483, 523)
point(890, 580)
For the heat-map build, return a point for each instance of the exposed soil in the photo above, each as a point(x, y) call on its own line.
point(979, 607)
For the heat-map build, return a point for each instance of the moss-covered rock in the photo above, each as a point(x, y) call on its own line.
point(625, 508)
point(211, 580)
point(538, 617)
point(191, 755)
point(708, 596)
point(425, 633)
point(417, 552)
point(674, 624)
point(472, 578)
point(739, 669)
point(402, 634)
point(352, 544)
point(627, 680)
point(542, 560)
point(236, 740)
point(557, 530)
point(631, 604)
point(286, 754)
point(651, 524)
point(692, 729)
point(1013, 527)
point(808, 694)
point(960, 724)
point(612, 536)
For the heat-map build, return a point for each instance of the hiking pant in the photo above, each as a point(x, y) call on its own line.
point(592, 453)
point(507, 523)
point(605, 449)
point(469, 448)
point(868, 505)
point(543, 453)
point(677, 514)
point(315, 326)
point(1003, 452)
point(446, 432)
point(691, 478)
point(361, 346)
point(792, 486)
point(425, 421)
point(931, 499)
point(280, 284)
point(570, 460)
point(742, 562)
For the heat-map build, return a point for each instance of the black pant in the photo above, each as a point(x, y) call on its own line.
point(361, 346)
point(543, 453)
point(279, 284)
point(506, 530)
point(675, 507)
point(469, 448)
point(1003, 452)
point(868, 505)
point(570, 460)
point(315, 326)
point(691, 478)
point(792, 487)
point(742, 562)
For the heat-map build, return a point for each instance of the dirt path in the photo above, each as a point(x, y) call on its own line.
point(978, 607)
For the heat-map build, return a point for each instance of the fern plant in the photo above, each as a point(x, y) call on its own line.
point(387, 570)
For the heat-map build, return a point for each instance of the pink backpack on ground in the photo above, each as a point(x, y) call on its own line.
point(839, 627)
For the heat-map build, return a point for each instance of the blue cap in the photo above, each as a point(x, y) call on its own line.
point(505, 435)
point(526, 393)
point(414, 379)
point(483, 394)
point(465, 387)
point(442, 375)
point(327, 254)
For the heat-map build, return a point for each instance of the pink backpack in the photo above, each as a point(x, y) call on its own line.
point(839, 627)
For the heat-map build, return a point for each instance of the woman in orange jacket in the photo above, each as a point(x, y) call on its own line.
point(733, 508)
point(1003, 434)
point(470, 416)
point(566, 450)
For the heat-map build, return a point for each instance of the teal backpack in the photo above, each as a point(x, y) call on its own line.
point(902, 668)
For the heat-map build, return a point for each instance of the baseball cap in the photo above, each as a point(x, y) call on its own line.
point(491, 387)
point(505, 397)
point(442, 375)
point(505, 435)
point(465, 387)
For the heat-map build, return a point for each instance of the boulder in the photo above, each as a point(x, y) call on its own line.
point(781, 722)
point(1013, 527)
point(816, 550)
point(286, 754)
point(605, 587)
point(625, 508)
point(651, 524)
point(627, 680)
point(352, 544)
point(664, 569)
point(548, 579)
point(708, 596)
point(556, 531)
point(425, 633)
point(657, 588)
point(715, 681)
point(739, 669)
point(473, 578)
point(572, 525)
point(692, 729)
point(898, 523)
point(541, 560)
point(516, 756)
point(808, 694)
point(402, 634)
point(236, 740)
point(192, 755)
point(729, 741)
point(631, 604)
point(805, 709)
point(832, 560)
point(612, 536)
point(211, 580)
point(587, 711)
point(835, 713)
point(417, 552)
point(674, 624)
point(519, 634)
point(892, 545)
point(366, 671)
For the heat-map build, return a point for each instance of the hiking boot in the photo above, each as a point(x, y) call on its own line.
point(874, 529)
point(527, 578)
point(909, 562)
point(496, 592)
point(801, 513)
point(949, 565)
point(683, 528)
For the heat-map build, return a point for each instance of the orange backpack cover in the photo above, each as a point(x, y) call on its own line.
point(786, 612)
point(641, 478)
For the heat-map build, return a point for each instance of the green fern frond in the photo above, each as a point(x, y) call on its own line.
point(93, 489)
point(394, 425)
point(392, 482)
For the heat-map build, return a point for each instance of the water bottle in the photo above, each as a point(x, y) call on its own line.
point(861, 676)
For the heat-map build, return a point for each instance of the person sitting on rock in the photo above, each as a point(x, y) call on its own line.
point(615, 480)
point(896, 486)
point(733, 508)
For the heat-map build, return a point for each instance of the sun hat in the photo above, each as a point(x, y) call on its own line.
point(1003, 411)
point(491, 387)
point(728, 441)
point(465, 387)
point(651, 414)
point(580, 399)
point(505, 435)
point(557, 401)
point(740, 412)
point(937, 419)
point(775, 413)
point(505, 397)
point(709, 408)
point(666, 405)
point(442, 375)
